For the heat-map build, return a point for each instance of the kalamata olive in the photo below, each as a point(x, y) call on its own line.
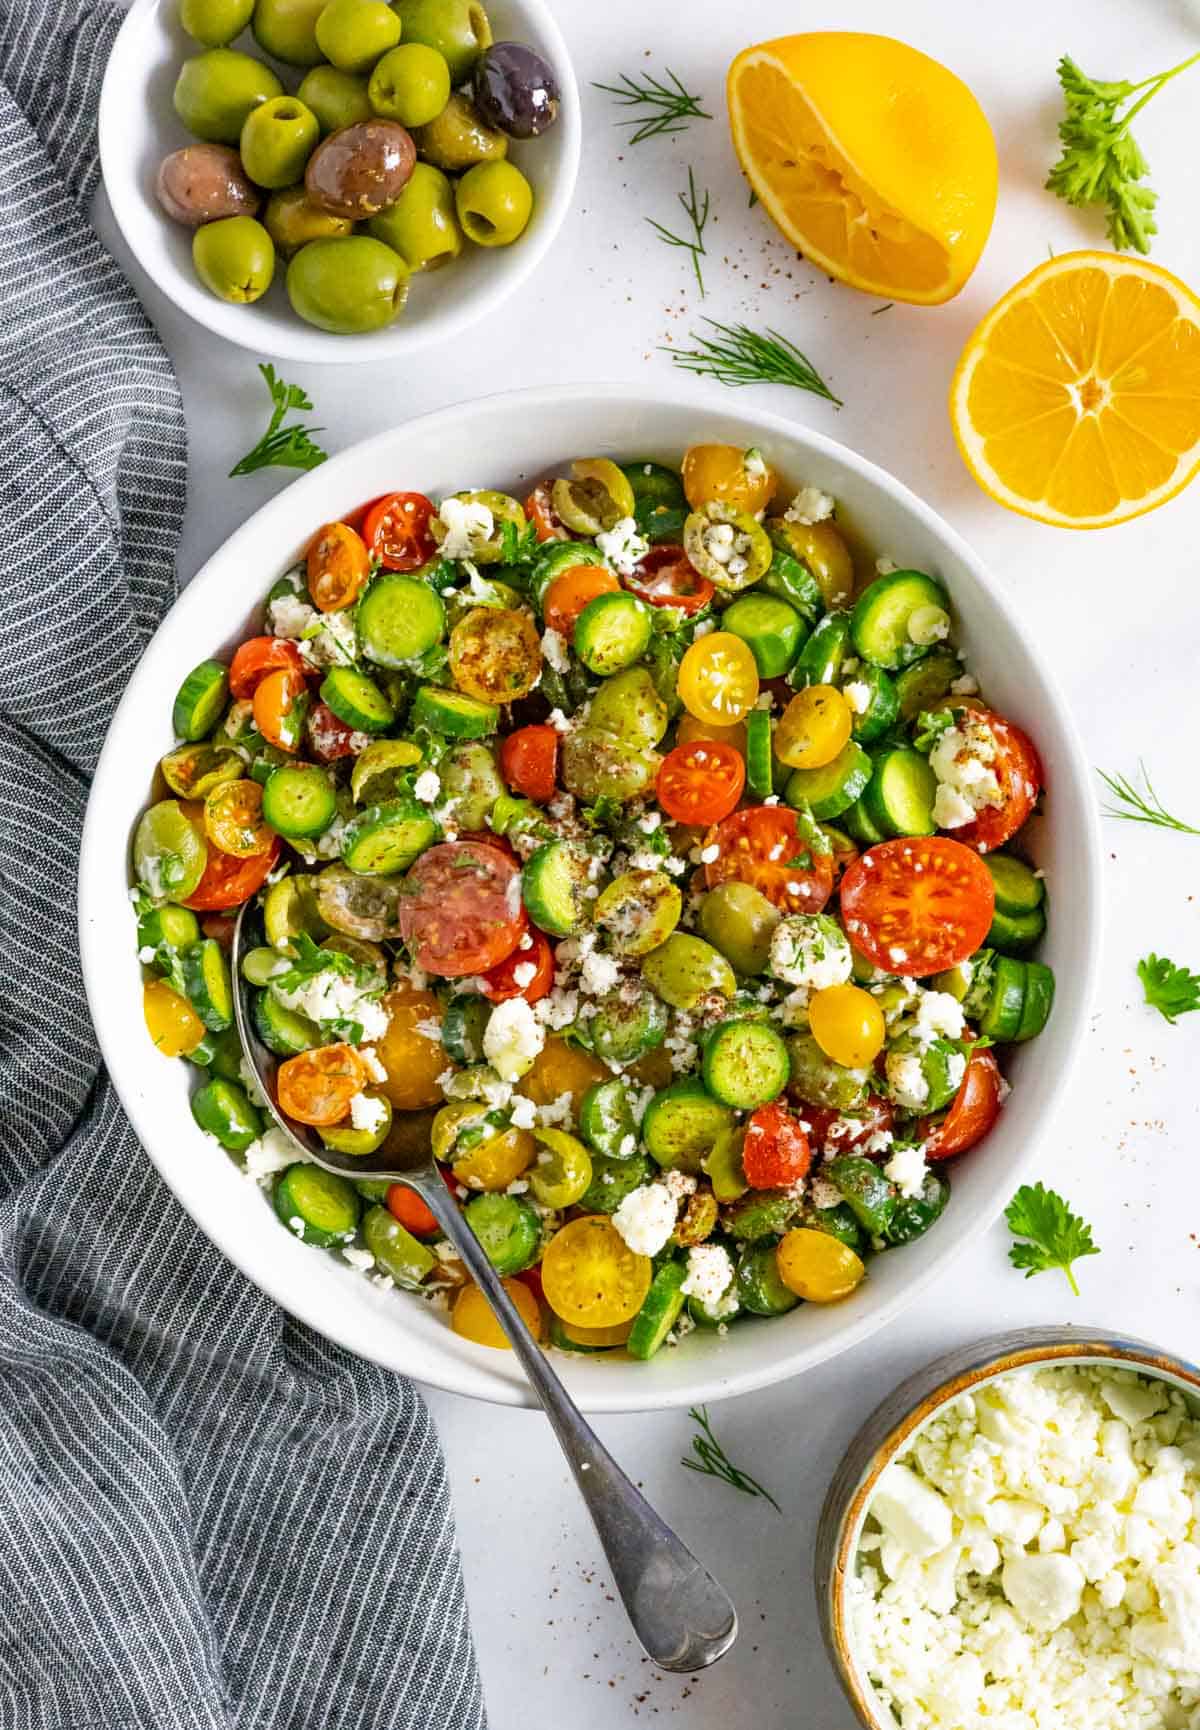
point(360, 170)
point(516, 90)
point(203, 182)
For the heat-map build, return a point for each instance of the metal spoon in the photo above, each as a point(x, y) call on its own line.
point(682, 1616)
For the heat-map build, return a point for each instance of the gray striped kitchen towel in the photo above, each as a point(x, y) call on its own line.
point(209, 1517)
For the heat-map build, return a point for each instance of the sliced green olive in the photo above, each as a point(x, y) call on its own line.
point(193, 771)
point(504, 510)
point(595, 498)
point(639, 910)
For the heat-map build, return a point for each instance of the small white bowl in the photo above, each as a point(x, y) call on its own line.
point(139, 126)
point(520, 436)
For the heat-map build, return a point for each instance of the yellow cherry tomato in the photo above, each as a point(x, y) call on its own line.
point(495, 654)
point(497, 1162)
point(718, 679)
point(173, 1024)
point(591, 1277)
point(821, 547)
point(689, 729)
point(817, 1266)
point(847, 1023)
point(233, 820)
point(563, 1170)
point(598, 1336)
point(813, 728)
point(412, 1060)
point(561, 1068)
point(740, 478)
point(473, 1318)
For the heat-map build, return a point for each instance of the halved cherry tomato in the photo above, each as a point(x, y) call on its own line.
point(414, 1215)
point(973, 1110)
point(338, 566)
point(569, 594)
point(917, 905)
point(1019, 771)
point(227, 881)
point(729, 473)
point(357, 517)
point(701, 782)
point(461, 911)
point(500, 983)
point(328, 736)
point(317, 1086)
point(528, 761)
point(543, 516)
point(233, 819)
point(396, 530)
point(254, 659)
point(280, 705)
point(775, 1152)
point(762, 845)
point(532, 1277)
point(718, 679)
point(666, 577)
point(495, 654)
point(836, 1131)
point(219, 926)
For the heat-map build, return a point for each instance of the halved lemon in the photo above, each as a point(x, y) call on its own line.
point(1077, 400)
point(876, 162)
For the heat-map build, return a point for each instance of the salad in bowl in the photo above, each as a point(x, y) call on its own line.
point(614, 841)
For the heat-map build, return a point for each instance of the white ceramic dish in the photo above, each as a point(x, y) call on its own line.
point(503, 441)
point(138, 127)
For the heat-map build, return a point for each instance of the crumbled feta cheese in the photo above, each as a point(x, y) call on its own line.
point(360, 1259)
point(254, 1092)
point(524, 973)
point(858, 696)
point(427, 786)
point(512, 1039)
point(331, 640)
point(468, 524)
point(560, 1110)
point(939, 1016)
point(599, 974)
point(709, 1274)
point(906, 1080)
point(623, 546)
point(522, 1113)
point(809, 506)
point(372, 1064)
point(907, 1170)
point(146, 954)
point(554, 648)
point(271, 1153)
point(963, 759)
point(810, 950)
point(966, 685)
point(289, 616)
point(331, 996)
point(885, 566)
point(928, 625)
point(367, 1113)
point(822, 1193)
point(754, 463)
point(911, 1512)
point(646, 1218)
point(558, 720)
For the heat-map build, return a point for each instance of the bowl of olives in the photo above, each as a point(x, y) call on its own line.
point(339, 180)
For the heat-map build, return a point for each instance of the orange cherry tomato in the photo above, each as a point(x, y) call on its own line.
point(543, 516)
point(528, 761)
point(973, 1110)
point(254, 659)
point(396, 530)
point(1019, 772)
point(666, 577)
point(227, 881)
point(761, 845)
point(917, 905)
point(317, 1086)
point(233, 819)
point(414, 1215)
point(701, 782)
point(775, 1152)
point(280, 705)
point(328, 736)
point(570, 593)
point(500, 982)
point(338, 566)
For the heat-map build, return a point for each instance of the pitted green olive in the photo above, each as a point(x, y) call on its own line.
point(596, 765)
point(292, 221)
point(347, 286)
point(337, 98)
point(739, 920)
point(422, 225)
point(234, 258)
point(638, 911)
point(215, 22)
point(685, 969)
point(459, 137)
point(730, 548)
point(277, 140)
point(287, 30)
point(595, 498)
point(494, 202)
point(352, 34)
point(628, 706)
point(410, 84)
point(458, 29)
point(504, 509)
point(214, 93)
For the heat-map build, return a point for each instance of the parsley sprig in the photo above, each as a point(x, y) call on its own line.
point(1054, 1236)
point(282, 447)
point(1173, 991)
point(737, 355)
point(712, 1461)
point(518, 547)
point(670, 107)
point(696, 210)
point(309, 960)
point(1101, 161)
point(1140, 805)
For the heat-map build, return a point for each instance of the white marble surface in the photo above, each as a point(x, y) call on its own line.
point(1118, 611)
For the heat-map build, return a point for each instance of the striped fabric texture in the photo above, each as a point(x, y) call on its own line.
point(210, 1518)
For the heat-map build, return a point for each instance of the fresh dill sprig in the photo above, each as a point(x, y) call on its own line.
point(712, 1461)
point(696, 210)
point(1140, 807)
point(285, 447)
point(738, 355)
point(672, 108)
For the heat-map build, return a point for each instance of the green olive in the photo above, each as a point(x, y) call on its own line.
point(287, 29)
point(739, 920)
point(292, 221)
point(277, 140)
point(628, 706)
point(684, 969)
point(818, 1080)
point(638, 911)
point(471, 779)
point(215, 92)
point(596, 497)
point(337, 98)
point(624, 1027)
point(563, 1170)
point(347, 286)
point(215, 22)
point(495, 202)
point(352, 34)
point(421, 226)
point(504, 509)
point(459, 137)
point(595, 765)
point(234, 258)
point(458, 29)
point(410, 84)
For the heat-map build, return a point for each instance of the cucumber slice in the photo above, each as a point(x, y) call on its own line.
point(208, 985)
point(168, 927)
point(372, 1188)
point(659, 1312)
point(223, 1108)
point(399, 617)
point(507, 1228)
point(1017, 889)
point(357, 700)
point(552, 886)
point(790, 579)
point(463, 1025)
point(319, 1206)
point(759, 1287)
point(453, 713)
point(660, 505)
point(622, 1030)
point(745, 1064)
point(913, 1215)
point(201, 699)
point(760, 769)
point(299, 800)
point(612, 1180)
point(869, 1195)
point(562, 1341)
point(227, 1054)
point(1014, 933)
point(771, 628)
point(612, 632)
point(283, 1031)
point(889, 612)
point(926, 683)
point(861, 827)
point(832, 789)
point(820, 660)
point(1001, 1019)
point(839, 1222)
point(1039, 1000)
point(386, 838)
point(762, 1213)
point(899, 797)
point(606, 1120)
point(682, 1124)
point(882, 708)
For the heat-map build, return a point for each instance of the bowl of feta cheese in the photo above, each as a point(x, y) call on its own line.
point(1012, 1540)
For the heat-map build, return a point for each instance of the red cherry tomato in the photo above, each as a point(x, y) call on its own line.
point(701, 782)
point(837, 1132)
point(666, 577)
point(219, 926)
point(461, 911)
point(328, 736)
point(396, 530)
point(500, 983)
point(775, 1153)
point(228, 881)
point(543, 516)
point(917, 905)
point(762, 845)
point(1019, 771)
point(973, 1110)
point(528, 761)
point(532, 1277)
point(254, 659)
point(406, 1205)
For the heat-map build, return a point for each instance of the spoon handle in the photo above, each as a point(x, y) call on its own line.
point(682, 1617)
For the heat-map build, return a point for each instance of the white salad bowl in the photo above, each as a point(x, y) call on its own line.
point(139, 126)
point(505, 441)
